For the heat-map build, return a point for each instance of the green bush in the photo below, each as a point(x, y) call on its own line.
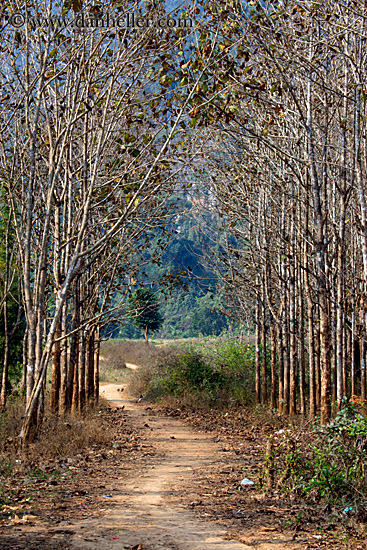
point(328, 464)
point(190, 371)
point(199, 376)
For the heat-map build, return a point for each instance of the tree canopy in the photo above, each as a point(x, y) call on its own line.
point(143, 308)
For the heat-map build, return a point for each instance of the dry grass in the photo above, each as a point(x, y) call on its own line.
point(145, 379)
point(58, 438)
point(116, 353)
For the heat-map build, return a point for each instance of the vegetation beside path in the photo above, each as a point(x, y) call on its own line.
point(308, 481)
point(302, 463)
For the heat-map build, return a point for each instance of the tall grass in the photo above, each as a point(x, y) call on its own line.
point(218, 375)
point(116, 353)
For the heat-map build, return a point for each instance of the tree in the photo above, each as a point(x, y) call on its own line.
point(11, 318)
point(143, 307)
point(282, 111)
point(85, 164)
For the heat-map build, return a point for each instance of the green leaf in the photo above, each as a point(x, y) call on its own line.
point(128, 138)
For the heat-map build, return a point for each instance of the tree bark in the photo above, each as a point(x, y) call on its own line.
point(96, 364)
point(273, 399)
point(4, 378)
point(64, 361)
point(89, 382)
point(280, 369)
point(264, 393)
point(55, 375)
point(257, 353)
point(81, 369)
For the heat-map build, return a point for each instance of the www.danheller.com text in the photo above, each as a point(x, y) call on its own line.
point(98, 20)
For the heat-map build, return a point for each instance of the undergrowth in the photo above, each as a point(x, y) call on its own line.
point(198, 376)
point(321, 464)
point(58, 438)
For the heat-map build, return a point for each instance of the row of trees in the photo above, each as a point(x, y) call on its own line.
point(287, 167)
point(88, 132)
point(266, 107)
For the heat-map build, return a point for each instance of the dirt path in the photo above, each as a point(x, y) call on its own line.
point(145, 509)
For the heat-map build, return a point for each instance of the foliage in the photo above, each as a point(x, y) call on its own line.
point(325, 464)
point(188, 297)
point(16, 324)
point(200, 376)
point(15, 345)
point(143, 308)
point(205, 320)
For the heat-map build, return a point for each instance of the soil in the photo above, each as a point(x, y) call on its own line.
point(166, 483)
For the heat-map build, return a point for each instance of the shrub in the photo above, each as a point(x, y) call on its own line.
point(147, 379)
point(328, 463)
point(199, 377)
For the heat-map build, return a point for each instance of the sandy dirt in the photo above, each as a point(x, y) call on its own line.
point(131, 366)
point(146, 511)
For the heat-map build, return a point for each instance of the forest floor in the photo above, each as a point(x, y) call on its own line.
point(169, 480)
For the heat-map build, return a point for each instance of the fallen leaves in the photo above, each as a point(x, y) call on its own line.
point(27, 518)
point(51, 491)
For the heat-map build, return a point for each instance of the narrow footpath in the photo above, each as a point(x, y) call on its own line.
point(146, 511)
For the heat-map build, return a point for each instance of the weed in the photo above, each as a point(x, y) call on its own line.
point(206, 375)
point(324, 464)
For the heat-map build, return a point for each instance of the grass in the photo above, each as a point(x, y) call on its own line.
point(199, 373)
point(69, 436)
point(116, 353)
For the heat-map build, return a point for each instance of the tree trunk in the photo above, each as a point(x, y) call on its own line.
point(286, 363)
point(292, 338)
point(280, 370)
point(264, 393)
point(302, 360)
point(73, 371)
point(353, 365)
point(81, 381)
point(89, 381)
point(321, 251)
point(31, 358)
point(75, 396)
point(257, 353)
point(273, 398)
point(318, 365)
point(96, 364)
point(363, 367)
point(311, 360)
point(346, 364)
point(64, 361)
point(340, 367)
point(55, 375)
point(23, 382)
point(4, 378)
